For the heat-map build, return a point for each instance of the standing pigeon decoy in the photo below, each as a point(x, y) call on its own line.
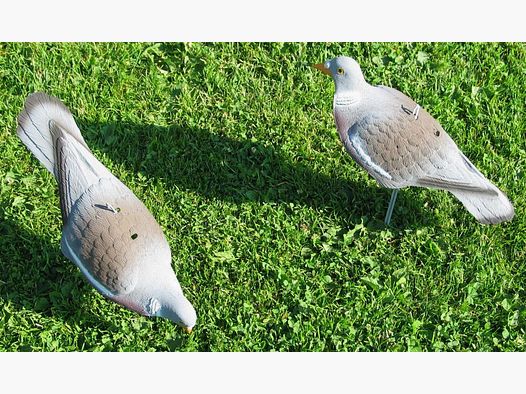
point(108, 232)
point(399, 144)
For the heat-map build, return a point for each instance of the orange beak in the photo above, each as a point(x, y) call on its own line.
point(322, 68)
point(188, 330)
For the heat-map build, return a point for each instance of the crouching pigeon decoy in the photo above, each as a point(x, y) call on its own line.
point(399, 144)
point(108, 232)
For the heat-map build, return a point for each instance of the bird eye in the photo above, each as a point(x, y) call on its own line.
point(340, 71)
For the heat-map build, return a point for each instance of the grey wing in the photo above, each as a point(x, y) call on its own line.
point(416, 150)
point(75, 168)
point(110, 235)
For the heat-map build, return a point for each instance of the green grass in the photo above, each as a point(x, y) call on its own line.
point(277, 236)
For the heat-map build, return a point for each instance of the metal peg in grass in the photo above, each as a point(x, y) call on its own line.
point(108, 232)
point(399, 144)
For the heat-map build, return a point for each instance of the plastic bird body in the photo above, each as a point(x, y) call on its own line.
point(108, 232)
point(399, 144)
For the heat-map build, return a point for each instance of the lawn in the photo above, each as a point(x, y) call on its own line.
point(277, 236)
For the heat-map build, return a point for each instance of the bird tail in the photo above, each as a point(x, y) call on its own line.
point(34, 123)
point(489, 204)
point(48, 129)
point(487, 208)
point(480, 197)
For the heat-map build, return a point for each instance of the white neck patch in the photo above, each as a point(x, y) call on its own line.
point(346, 99)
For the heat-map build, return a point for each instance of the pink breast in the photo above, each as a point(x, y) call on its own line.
point(339, 118)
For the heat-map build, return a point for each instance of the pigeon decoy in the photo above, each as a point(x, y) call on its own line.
point(399, 144)
point(107, 231)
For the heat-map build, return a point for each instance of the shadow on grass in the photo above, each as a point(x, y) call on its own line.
point(36, 276)
point(215, 166)
point(238, 171)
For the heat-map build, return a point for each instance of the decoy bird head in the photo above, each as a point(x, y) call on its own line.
point(345, 72)
point(159, 294)
point(175, 307)
point(162, 295)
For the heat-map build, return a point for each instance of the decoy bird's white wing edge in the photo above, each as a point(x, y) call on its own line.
point(72, 256)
